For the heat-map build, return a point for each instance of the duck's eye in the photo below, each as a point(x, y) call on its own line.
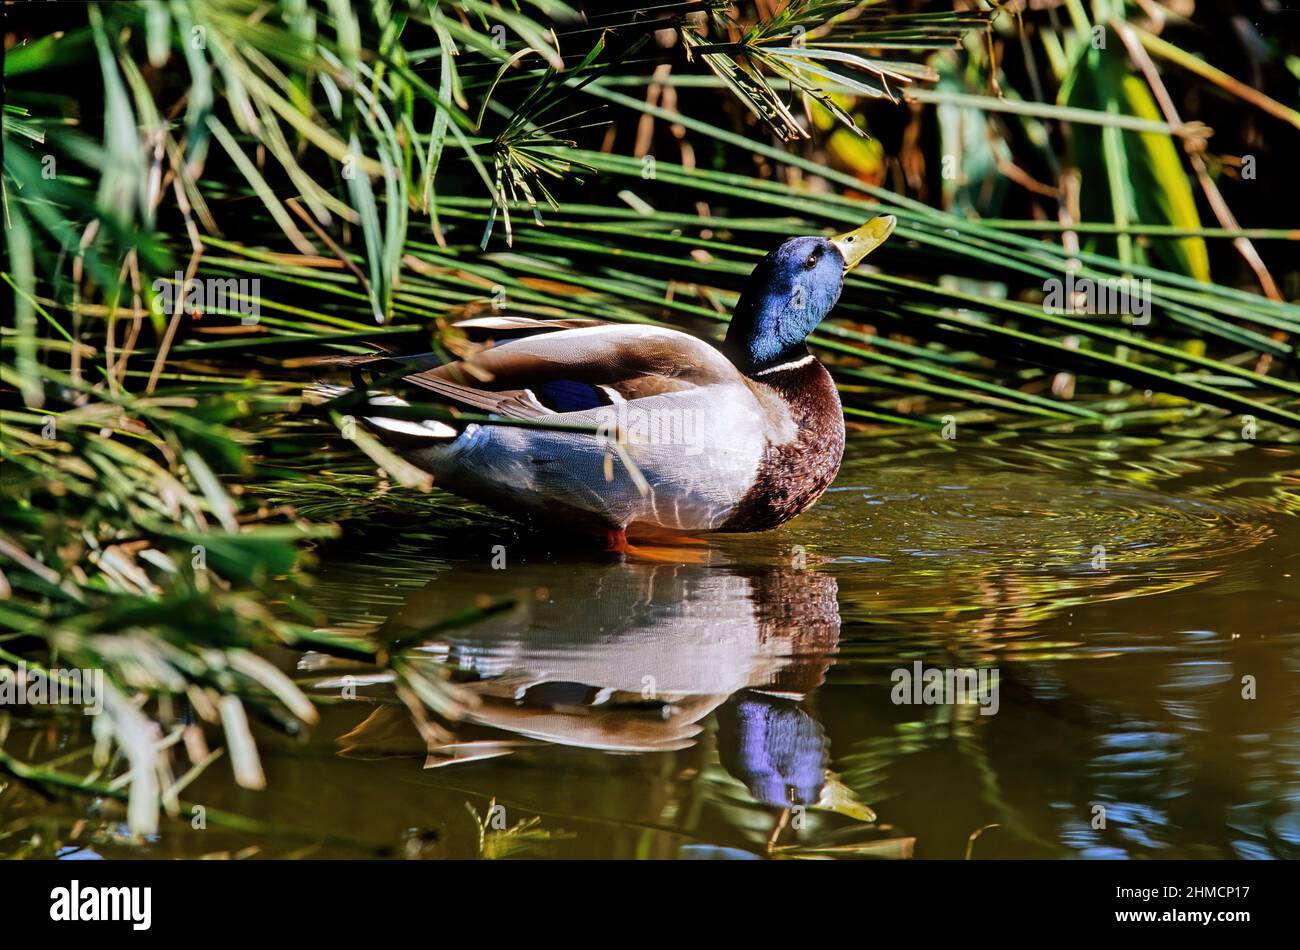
point(812, 261)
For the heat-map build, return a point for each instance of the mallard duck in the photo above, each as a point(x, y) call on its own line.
point(678, 437)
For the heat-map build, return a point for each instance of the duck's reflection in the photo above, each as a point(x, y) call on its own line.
point(629, 657)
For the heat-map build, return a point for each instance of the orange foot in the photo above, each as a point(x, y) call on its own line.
point(670, 549)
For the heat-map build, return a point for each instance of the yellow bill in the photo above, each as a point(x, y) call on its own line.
point(857, 244)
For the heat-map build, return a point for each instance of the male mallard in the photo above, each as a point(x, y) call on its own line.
point(738, 438)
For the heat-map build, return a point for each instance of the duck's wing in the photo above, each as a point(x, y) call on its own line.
point(556, 371)
point(497, 328)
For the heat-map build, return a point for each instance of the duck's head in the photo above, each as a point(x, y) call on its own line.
point(792, 290)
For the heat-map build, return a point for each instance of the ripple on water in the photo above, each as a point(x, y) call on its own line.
point(1001, 537)
point(1027, 524)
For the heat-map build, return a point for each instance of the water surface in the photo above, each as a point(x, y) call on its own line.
point(1136, 598)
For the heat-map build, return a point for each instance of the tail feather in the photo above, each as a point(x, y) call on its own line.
point(426, 431)
point(317, 394)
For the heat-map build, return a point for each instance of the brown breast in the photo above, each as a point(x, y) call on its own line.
point(793, 474)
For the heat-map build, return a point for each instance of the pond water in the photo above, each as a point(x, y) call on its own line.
point(1129, 605)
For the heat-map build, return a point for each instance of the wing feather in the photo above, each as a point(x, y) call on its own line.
point(632, 360)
